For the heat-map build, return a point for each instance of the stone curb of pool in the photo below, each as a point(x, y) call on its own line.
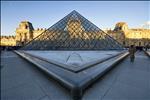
point(74, 68)
point(148, 54)
point(77, 84)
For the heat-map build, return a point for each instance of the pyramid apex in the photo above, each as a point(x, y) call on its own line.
point(74, 11)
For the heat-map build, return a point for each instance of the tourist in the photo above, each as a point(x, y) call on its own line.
point(146, 47)
point(132, 51)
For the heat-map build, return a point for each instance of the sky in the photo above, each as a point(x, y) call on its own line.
point(43, 14)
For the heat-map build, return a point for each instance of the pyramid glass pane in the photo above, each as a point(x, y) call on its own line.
point(73, 32)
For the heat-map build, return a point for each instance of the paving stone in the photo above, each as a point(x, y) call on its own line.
point(121, 91)
point(23, 81)
point(27, 91)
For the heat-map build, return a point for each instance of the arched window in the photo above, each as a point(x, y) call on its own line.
point(26, 27)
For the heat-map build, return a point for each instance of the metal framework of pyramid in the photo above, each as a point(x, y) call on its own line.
point(73, 32)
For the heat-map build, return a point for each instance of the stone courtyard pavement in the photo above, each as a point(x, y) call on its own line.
point(21, 80)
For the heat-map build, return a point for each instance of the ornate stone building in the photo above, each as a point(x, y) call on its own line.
point(24, 33)
point(127, 37)
point(8, 41)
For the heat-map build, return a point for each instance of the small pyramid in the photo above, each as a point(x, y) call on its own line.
point(74, 59)
point(73, 32)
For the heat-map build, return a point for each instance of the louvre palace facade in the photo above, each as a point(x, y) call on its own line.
point(23, 34)
point(122, 33)
point(126, 36)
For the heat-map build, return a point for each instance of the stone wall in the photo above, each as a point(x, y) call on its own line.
point(8, 40)
point(24, 33)
point(127, 37)
point(38, 31)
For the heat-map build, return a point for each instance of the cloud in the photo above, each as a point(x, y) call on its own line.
point(146, 25)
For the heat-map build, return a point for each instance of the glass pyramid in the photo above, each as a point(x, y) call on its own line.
point(73, 32)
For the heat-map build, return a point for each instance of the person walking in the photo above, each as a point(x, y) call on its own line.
point(146, 47)
point(132, 51)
